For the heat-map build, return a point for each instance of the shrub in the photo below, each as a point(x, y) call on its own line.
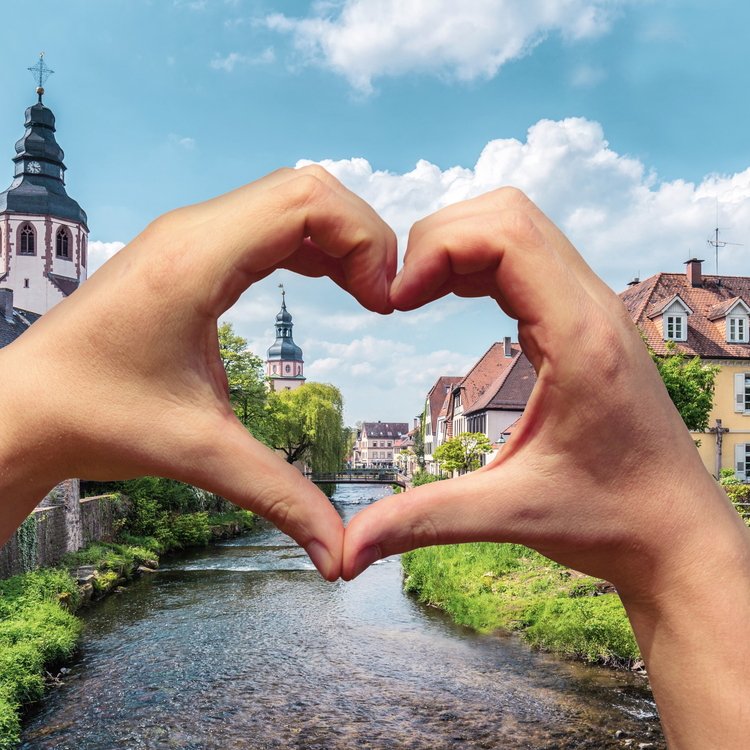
point(192, 530)
point(423, 477)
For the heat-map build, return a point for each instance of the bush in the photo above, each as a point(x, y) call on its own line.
point(423, 477)
point(192, 530)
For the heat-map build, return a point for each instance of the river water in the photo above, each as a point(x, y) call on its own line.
point(244, 646)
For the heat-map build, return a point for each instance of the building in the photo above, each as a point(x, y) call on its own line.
point(374, 447)
point(489, 398)
point(706, 316)
point(435, 412)
point(284, 362)
point(43, 231)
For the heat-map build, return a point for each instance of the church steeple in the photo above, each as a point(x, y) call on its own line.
point(39, 178)
point(43, 231)
point(284, 362)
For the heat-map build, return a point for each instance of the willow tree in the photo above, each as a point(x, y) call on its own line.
point(306, 424)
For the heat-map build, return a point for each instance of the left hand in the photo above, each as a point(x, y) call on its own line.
point(124, 377)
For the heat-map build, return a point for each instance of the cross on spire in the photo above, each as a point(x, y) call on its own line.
point(283, 294)
point(41, 72)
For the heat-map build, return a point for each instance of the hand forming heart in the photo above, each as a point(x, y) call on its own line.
point(124, 379)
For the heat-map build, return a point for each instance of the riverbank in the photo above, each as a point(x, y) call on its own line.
point(38, 627)
point(510, 587)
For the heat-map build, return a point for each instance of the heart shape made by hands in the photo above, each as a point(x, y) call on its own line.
point(155, 391)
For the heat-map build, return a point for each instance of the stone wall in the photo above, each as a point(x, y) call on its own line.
point(60, 523)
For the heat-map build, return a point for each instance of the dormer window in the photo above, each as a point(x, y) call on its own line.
point(675, 327)
point(737, 329)
point(674, 315)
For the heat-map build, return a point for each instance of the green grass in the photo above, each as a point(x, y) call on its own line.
point(505, 586)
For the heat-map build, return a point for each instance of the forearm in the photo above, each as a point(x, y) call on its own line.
point(693, 638)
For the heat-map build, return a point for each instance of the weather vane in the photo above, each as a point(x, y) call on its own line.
point(41, 72)
point(283, 293)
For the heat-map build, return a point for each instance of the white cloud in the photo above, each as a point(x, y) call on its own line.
point(366, 39)
point(233, 59)
point(620, 215)
point(182, 141)
point(101, 252)
point(587, 76)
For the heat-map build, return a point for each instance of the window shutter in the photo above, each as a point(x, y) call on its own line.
point(739, 462)
point(739, 392)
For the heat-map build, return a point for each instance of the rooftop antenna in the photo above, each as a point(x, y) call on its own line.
point(715, 242)
point(41, 72)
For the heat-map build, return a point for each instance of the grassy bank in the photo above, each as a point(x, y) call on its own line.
point(507, 586)
point(38, 628)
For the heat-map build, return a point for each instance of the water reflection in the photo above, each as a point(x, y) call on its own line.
point(244, 646)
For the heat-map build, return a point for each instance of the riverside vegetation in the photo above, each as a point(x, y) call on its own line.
point(38, 627)
point(507, 586)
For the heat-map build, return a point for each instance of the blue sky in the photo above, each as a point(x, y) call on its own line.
point(626, 121)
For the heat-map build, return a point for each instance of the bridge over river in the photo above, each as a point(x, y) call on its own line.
point(359, 476)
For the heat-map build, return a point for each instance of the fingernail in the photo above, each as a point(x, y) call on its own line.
point(320, 556)
point(365, 558)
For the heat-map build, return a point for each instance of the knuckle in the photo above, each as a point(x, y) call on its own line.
point(317, 171)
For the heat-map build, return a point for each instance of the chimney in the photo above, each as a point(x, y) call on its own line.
point(6, 304)
point(507, 349)
point(693, 271)
point(635, 281)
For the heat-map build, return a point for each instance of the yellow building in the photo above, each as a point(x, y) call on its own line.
point(707, 316)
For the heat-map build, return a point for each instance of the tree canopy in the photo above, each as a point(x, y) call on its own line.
point(307, 425)
point(248, 392)
point(463, 452)
point(690, 385)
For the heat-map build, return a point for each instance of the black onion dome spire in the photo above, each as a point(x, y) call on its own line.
point(38, 186)
point(284, 347)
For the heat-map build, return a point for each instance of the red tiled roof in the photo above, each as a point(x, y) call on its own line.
point(491, 367)
point(706, 333)
point(511, 389)
point(385, 429)
point(438, 396)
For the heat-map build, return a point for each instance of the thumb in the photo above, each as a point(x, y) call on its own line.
point(241, 469)
point(486, 506)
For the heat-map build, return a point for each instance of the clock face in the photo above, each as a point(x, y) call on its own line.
point(34, 167)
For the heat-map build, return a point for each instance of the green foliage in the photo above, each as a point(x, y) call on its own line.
point(35, 633)
point(306, 424)
point(727, 478)
point(192, 530)
point(463, 452)
point(690, 385)
point(27, 543)
point(247, 382)
point(423, 477)
point(491, 586)
point(419, 439)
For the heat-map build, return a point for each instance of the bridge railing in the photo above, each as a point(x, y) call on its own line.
point(357, 475)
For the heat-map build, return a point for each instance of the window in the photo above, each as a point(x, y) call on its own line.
point(737, 329)
point(287, 368)
point(675, 327)
point(742, 392)
point(83, 252)
point(26, 240)
point(62, 243)
point(25, 283)
point(741, 460)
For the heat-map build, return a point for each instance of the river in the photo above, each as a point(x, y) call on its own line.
point(242, 645)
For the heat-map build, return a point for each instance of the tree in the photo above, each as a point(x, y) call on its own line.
point(248, 392)
point(419, 439)
point(306, 424)
point(690, 385)
point(463, 452)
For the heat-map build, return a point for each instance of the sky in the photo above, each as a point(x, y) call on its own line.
point(625, 120)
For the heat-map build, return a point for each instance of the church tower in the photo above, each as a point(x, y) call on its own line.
point(284, 363)
point(43, 232)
